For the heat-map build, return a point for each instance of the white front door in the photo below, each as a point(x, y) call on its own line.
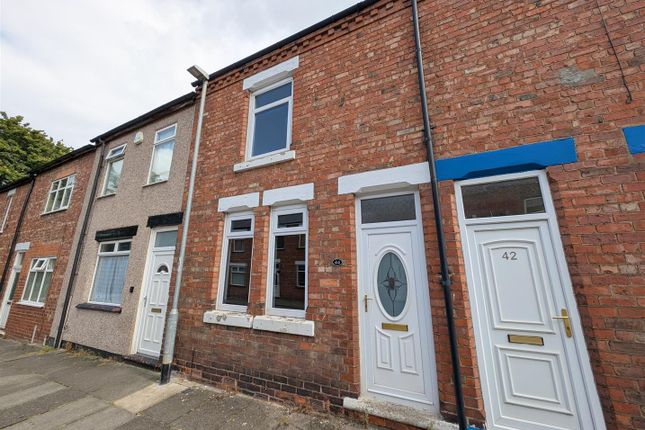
point(532, 359)
point(155, 302)
point(7, 297)
point(397, 352)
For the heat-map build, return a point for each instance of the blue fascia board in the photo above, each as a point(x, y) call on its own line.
point(635, 137)
point(521, 158)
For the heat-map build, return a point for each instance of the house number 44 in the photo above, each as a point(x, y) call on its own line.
point(510, 255)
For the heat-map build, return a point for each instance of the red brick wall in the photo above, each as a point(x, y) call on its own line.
point(499, 74)
point(50, 235)
point(8, 233)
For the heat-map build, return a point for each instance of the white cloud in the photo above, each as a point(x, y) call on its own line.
point(77, 68)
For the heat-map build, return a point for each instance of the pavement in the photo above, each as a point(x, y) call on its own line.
point(42, 388)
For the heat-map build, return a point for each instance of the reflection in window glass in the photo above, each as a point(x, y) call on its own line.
point(162, 154)
point(387, 209)
point(238, 274)
point(289, 293)
point(504, 198)
point(113, 176)
point(270, 120)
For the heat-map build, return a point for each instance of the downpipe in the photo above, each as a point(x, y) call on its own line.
point(441, 242)
point(173, 316)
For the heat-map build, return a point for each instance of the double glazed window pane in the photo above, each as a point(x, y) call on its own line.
point(504, 198)
point(60, 194)
point(161, 161)
point(388, 209)
point(113, 177)
point(166, 239)
point(288, 291)
point(238, 273)
point(110, 279)
point(271, 120)
point(38, 280)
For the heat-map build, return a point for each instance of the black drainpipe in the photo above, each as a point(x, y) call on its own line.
point(441, 241)
point(16, 233)
point(79, 249)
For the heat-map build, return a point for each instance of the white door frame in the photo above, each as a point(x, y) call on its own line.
point(8, 285)
point(145, 283)
point(551, 217)
point(423, 299)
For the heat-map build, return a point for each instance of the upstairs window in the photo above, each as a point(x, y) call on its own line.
point(60, 194)
point(162, 154)
point(237, 251)
point(270, 119)
point(38, 281)
point(113, 170)
point(7, 209)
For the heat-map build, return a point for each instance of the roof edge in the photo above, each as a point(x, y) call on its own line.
point(70, 156)
point(156, 113)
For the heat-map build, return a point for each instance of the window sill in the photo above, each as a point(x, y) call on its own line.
point(229, 318)
point(105, 196)
point(31, 304)
point(54, 212)
point(265, 161)
point(296, 326)
point(155, 183)
point(114, 309)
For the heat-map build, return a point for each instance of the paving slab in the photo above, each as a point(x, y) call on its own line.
point(63, 415)
point(171, 409)
point(38, 406)
point(12, 383)
point(144, 423)
point(106, 419)
point(16, 398)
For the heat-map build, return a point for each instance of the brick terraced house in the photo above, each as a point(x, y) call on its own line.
point(312, 268)
point(40, 229)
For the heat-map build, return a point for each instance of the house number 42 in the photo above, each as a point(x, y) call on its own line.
point(510, 255)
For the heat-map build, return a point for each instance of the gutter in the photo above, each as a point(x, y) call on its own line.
point(79, 249)
point(16, 233)
point(441, 241)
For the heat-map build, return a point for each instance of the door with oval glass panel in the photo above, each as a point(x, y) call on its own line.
point(155, 294)
point(397, 352)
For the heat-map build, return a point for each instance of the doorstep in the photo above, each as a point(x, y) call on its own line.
point(397, 413)
point(143, 360)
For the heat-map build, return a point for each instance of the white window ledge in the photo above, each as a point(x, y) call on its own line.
point(276, 324)
point(228, 318)
point(238, 203)
point(385, 179)
point(288, 195)
point(22, 246)
point(31, 304)
point(280, 157)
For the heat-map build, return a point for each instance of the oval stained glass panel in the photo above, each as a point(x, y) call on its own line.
point(392, 284)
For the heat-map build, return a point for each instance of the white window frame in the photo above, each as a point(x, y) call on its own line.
point(253, 111)
point(154, 149)
point(43, 268)
point(224, 264)
point(286, 231)
point(114, 253)
point(298, 265)
point(54, 192)
point(236, 266)
point(7, 210)
point(116, 154)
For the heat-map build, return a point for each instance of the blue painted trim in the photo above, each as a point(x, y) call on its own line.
point(510, 160)
point(635, 137)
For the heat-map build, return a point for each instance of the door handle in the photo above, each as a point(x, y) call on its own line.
point(365, 299)
point(564, 316)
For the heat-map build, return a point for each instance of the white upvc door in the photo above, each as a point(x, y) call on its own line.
point(397, 351)
point(155, 302)
point(7, 297)
point(534, 367)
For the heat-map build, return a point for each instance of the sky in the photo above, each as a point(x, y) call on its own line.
point(77, 68)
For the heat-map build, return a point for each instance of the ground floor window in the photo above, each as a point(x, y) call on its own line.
point(39, 280)
point(288, 261)
point(237, 250)
point(111, 269)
